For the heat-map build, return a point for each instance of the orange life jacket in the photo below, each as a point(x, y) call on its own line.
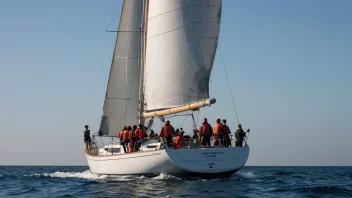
point(218, 129)
point(206, 129)
point(130, 147)
point(168, 130)
point(125, 135)
point(179, 142)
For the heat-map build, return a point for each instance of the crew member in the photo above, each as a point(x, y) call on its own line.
point(126, 138)
point(218, 133)
point(140, 134)
point(205, 132)
point(177, 132)
point(181, 130)
point(168, 132)
point(240, 134)
point(121, 133)
point(227, 132)
point(180, 141)
point(86, 135)
point(151, 135)
point(133, 137)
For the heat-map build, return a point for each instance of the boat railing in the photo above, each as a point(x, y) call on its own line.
point(191, 143)
point(111, 144)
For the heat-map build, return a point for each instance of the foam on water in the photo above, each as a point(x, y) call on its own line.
point(88, 175)
point(124, 178)
point(246, 175)
point(164, 176)
point(83, 175)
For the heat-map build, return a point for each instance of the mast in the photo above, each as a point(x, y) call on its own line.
point(144, 26)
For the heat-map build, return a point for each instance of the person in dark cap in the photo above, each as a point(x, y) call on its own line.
point(152, 134)
point(86, 135)
point(168, 132)
point(177, 132)
point(205, 133)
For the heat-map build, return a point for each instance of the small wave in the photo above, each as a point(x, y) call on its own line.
point(164, 176)
point(247, 175)
point(83, 175)
point(325, 190)
point(124, 178)
point(284, 173)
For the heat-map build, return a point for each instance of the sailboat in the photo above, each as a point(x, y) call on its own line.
point(161, 66)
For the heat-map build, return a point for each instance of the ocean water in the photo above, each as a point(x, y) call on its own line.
point(73, 181)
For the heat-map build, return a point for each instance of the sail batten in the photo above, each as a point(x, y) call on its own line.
point(122, 95)
point(182, 37)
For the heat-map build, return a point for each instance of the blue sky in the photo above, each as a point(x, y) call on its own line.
point(289, 64)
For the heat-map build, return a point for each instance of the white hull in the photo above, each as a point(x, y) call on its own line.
point(210, 161)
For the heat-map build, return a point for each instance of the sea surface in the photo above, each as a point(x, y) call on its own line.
point(77, 181)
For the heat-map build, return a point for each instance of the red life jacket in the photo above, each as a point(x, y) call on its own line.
point(136, 133)
point(141, 133)
point(132, 135)
point(226, 130)
point(168, 130)
point(206, 129)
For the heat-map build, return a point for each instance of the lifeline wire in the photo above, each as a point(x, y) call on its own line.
point(228, 83)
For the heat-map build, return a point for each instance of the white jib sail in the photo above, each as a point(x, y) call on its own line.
point(182, 37)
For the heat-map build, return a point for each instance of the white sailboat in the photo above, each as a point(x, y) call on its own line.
point(161, 65)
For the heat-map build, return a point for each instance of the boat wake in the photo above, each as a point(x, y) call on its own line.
point(82, 175)
point(89, 176)
point(164, 176)
point(246, 175)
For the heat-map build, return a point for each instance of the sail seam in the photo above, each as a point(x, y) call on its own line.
point(132, 57)
point(184, 7)
point(179, 28)
point(118, 98)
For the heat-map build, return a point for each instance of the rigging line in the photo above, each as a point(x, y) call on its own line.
point(228, 83)
point(184, 120)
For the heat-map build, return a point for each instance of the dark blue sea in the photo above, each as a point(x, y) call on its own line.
point(77, 181)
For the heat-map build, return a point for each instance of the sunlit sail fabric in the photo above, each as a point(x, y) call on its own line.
point(182, 37)
point(122, 95)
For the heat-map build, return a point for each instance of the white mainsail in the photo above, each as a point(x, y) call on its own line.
point(182, 37)
point(122, 95)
